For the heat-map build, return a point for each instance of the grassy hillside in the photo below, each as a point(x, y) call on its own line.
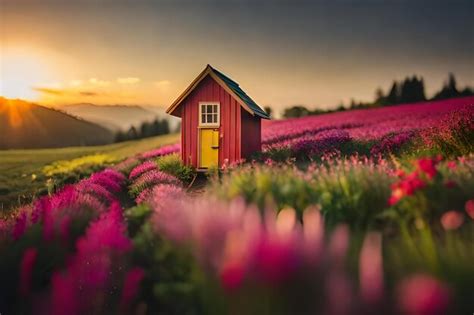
point(26, 125)
point(21, 171)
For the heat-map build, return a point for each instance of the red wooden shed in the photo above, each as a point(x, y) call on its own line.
point(220, 123)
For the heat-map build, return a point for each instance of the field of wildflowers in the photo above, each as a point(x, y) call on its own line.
point(360, 212)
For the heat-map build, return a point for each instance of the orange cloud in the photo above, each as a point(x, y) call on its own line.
point(49, 91)
point(129, 80)
point(98, 82)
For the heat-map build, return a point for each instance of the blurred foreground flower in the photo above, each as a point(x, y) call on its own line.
point(470, 208)
point(423, 295)
point(452, 220)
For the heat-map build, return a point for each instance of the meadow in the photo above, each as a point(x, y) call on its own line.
point(22, 175)
point(360, 212)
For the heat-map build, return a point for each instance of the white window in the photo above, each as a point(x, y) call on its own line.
point(209, 114)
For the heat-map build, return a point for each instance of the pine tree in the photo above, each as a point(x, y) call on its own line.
point(393, 96)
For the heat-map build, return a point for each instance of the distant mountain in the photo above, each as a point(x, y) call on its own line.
point(114, 117)
point(27, 125)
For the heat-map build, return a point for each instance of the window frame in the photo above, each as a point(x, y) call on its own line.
point(213, 124)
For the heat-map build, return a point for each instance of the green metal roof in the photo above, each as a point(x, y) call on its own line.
point(234, 86)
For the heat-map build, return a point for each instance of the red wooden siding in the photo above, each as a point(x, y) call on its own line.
point(251, 134)
point(230, 123)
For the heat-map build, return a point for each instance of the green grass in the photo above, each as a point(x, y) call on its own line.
point(22, 178)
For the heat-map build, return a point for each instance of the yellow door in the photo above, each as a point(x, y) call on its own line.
point(209, 142)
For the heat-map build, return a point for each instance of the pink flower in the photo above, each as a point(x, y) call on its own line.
point(339, 244)
point(451, 165)
point(269, 162)
point(143, 196)
point(21, 224)
point(423, 295)
point(470, 208)
point(26, 270)
point(165, 150)
point(371, 268)
point(452, 220)
point(162, 192)
point(131, 286)
point(142, 168)
point(152, 178)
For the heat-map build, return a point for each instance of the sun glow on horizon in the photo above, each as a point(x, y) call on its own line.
point(21, 71)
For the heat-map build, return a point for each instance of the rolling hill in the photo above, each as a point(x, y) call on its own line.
point(27, 125)
point(116, 117)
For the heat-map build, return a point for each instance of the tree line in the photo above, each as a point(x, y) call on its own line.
point(145, 130)
point(409, 90)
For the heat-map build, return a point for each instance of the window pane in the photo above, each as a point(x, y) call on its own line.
point(203, 118)
point(209, 109)
point(214, 116)
point(209, 118)
point(214, 108)
point(203, 109)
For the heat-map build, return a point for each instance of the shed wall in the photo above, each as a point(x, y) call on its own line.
point(251, 134)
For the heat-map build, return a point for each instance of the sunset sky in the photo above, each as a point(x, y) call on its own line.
point(316, 53)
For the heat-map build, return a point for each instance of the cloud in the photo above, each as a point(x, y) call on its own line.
point(64, 92)
point(49, 91)
point(75, 82)
point(162, 83)
point(98, 82)
point(88, 93)
point(129, 80)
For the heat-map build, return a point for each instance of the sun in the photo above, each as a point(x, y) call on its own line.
point(20, 71)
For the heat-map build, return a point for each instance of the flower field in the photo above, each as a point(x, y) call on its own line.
point(360, 212)
point(385, 128)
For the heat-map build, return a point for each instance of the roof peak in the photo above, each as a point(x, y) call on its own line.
point(232, 86)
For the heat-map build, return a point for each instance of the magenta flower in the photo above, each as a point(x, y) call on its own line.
point(232, 276)
point(21, 223)
point(26, 270)
point(90, 272)
point(64, 300)
point(275, 260)
point(131, 286)
point(423, 295)
point(165, 150)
